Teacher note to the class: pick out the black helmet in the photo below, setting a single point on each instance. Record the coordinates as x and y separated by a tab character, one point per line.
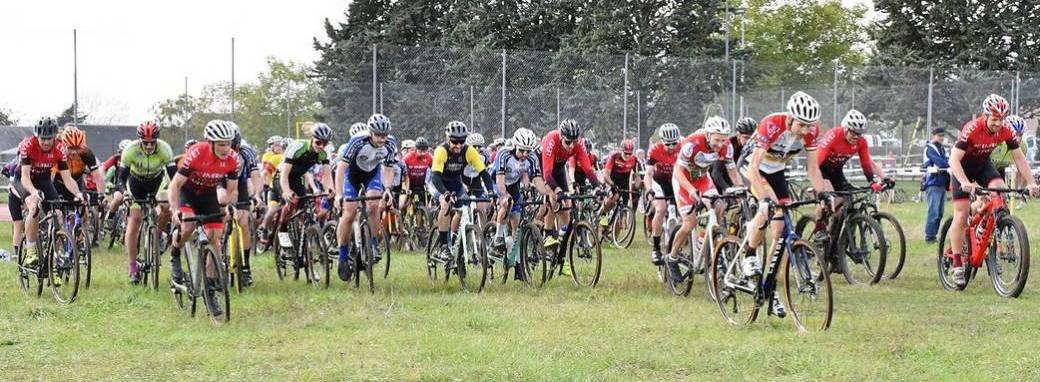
47	127
421	143
746	125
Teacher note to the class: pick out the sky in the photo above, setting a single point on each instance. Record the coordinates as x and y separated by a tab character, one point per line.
133	54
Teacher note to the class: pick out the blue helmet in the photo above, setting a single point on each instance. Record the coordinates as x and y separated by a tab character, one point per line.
1017	123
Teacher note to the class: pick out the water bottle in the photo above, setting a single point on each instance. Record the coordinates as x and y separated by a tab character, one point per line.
4	255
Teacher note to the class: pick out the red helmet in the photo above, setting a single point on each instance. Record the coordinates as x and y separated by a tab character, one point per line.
995	105
628	146
148	131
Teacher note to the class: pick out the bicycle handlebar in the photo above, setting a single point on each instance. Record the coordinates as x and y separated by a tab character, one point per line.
987	191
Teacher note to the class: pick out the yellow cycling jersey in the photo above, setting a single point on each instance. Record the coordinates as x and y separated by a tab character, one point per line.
452	165
271	161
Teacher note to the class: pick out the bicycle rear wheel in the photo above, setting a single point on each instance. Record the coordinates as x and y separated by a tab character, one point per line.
944	258
584	255
1008	257
807	288
63	268
535	271
862	250
221	295
896	243
735	292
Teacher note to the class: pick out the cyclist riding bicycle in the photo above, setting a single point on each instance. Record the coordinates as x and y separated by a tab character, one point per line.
361	165
111	166
470	176
557	148
658	180
206	167
250	185
293	177
691	179
514	168
619	175
744	128
972	168
837	146
779	138
37	155
271	160
82	161
449	162
142	171
418	162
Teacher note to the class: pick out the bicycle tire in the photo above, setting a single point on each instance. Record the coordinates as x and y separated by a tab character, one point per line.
943	263
280	268
431	264
583	247
311	252
87	257
531	256
496	260
366	261
152	256
681	288
1018	284
894	264
195	275
808	282
738	307
856	233
323	256
63	264
222	292
385	249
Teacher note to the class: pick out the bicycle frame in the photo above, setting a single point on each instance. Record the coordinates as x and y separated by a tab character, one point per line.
984	218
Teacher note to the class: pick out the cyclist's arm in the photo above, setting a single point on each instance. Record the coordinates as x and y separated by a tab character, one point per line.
1022	164
955	165
388	177
26	181
548	161
309	178
500	182
474	159
734	176
256	182
440	157
340	176
71	184
173	194
283	180
870	169
813	170
758	182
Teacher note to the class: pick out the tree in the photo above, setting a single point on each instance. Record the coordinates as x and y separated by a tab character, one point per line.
66	116
5	118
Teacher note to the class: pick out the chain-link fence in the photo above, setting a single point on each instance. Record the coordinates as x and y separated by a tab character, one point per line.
617	96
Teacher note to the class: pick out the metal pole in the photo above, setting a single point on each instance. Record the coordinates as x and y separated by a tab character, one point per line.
733	95
834	117
288	108
503	92
1018	91
186	124
374	78
232	79
558	120
726	24
639	120
624	102
931	81
472	121
75	79
380	98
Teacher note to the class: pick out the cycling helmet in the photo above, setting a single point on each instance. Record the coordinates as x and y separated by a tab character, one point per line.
746	125
237	141
46	128
628	146
803	107
321	132
716	125
995	105
670	133
569	129
379	124
524	139
408	144
456	130
124	143
1017	123
148	131
274	139
497	142
358	129
74	137
855	121
189	143
219	131
475	139
421	143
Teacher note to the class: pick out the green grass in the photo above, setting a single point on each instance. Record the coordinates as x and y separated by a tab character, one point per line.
629	328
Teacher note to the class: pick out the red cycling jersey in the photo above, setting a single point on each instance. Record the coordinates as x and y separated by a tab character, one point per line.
835	151
663	160
780	143
205	171
978	142
697	157
111	161
617	164
31	154
554	154
417	165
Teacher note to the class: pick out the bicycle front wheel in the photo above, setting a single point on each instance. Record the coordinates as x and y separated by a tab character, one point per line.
151	256
535	271
896	238
471	262
316	255
63	268
584	255
218	294
807	288
1008	258
863	250
733	290
686	265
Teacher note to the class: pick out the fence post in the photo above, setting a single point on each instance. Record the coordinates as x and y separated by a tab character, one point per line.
1018	90
931	81
503	92
733	95
558	120
374	78
639	120
472	122
624	102
834	117
781	98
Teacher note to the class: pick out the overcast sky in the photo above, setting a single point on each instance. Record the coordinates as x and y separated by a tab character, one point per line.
133	54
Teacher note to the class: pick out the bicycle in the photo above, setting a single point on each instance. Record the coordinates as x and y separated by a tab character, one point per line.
364	246
695	261
115	225
200	256
234	254
850	234
88	239
59	263
803	274
301	246
621	226
417	217
579	243
148	241
993	235
466	244
511	255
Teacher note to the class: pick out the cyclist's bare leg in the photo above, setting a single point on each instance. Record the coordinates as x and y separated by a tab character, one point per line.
345	229
133	228
375	211
689	221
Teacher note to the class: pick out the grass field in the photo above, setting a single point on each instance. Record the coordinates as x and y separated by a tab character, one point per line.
629	328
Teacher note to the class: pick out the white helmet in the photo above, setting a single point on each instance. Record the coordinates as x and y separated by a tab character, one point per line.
803	107
475	139
524	139
408	144
275	139
219	131
670	133
855	122
717	125
358	129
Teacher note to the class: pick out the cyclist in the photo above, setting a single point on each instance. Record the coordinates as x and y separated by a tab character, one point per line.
142	170
470	175
619	175
658	180
838	145
514	168
972	168
250	184
780	136
691	179
1001	156
36	156
449	162
81	162
111	165
293	174
193	191
719	173
418	163
361	165
557	148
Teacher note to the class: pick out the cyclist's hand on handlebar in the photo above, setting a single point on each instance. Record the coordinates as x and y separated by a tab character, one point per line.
176	218
877	187
969	187
1033	189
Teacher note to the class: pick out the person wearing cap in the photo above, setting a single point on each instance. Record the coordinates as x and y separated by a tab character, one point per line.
936	181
